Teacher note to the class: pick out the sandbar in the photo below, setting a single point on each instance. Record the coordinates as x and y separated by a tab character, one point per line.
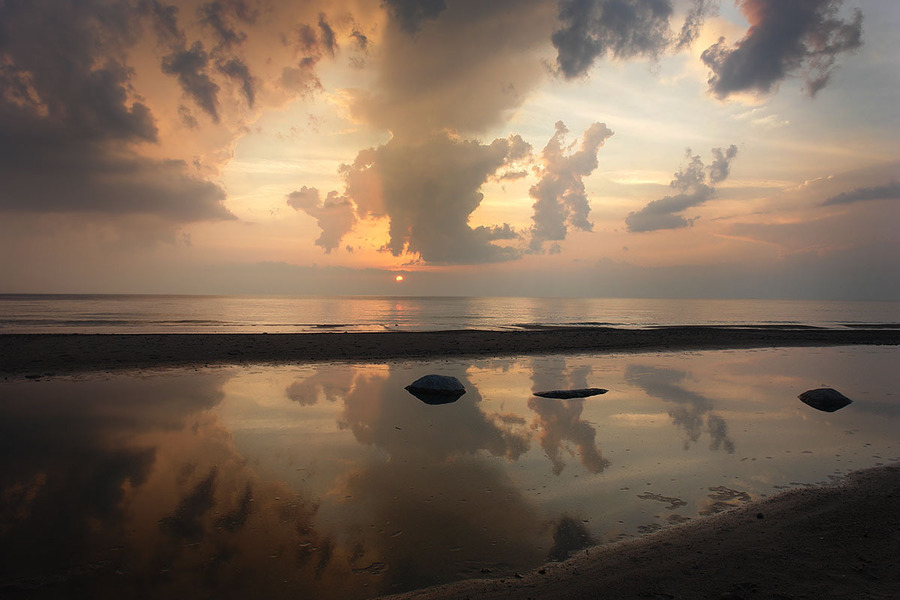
53	354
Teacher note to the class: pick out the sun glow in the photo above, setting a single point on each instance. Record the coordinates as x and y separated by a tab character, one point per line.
398	278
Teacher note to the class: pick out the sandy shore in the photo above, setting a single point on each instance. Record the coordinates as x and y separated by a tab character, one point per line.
43	354
831	542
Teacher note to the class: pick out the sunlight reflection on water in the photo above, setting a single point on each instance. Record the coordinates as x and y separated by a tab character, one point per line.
331	480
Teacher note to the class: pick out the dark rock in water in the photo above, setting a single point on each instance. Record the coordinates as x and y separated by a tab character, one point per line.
566	394
436	389
825	399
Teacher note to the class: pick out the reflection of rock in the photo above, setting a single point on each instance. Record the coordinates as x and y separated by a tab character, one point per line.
436	389
825	399
566	394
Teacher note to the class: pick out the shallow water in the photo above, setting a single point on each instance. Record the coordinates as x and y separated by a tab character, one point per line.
331	481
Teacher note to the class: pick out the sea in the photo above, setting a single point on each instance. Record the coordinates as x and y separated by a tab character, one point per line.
42	313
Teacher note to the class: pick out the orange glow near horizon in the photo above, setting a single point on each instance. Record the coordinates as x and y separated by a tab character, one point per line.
398	278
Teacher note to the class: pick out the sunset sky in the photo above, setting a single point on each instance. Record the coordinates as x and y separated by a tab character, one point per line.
638	148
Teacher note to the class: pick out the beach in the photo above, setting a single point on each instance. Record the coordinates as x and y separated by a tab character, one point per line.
827	542
52	354
835	541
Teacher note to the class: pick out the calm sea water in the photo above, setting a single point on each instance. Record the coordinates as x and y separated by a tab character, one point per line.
243	314
331	481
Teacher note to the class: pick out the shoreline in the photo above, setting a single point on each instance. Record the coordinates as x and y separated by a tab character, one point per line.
53	354
836	541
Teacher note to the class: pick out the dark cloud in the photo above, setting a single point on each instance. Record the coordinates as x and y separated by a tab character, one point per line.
697	14
721	164
411	13
880	192
335	215
428	190
560	197
312	44
190	66
220	16
691	182
193	66
465	72
622	29
785	37
328	39
360	40
237	69
70	122
165	21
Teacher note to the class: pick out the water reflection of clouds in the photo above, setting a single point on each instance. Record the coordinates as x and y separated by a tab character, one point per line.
689	410
431	505
332	481
559	421
138	476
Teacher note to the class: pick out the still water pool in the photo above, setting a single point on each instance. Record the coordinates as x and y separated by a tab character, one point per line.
332	481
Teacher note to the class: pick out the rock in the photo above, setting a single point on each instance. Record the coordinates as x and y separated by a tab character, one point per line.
566	394
436	389
825	399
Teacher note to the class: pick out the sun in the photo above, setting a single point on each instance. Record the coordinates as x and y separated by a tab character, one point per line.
398	278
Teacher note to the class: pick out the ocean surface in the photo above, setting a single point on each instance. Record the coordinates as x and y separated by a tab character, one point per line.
24	313
331	481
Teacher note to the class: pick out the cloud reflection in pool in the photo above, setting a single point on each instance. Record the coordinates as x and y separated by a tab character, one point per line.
332	481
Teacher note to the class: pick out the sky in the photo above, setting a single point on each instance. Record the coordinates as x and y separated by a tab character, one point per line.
621	148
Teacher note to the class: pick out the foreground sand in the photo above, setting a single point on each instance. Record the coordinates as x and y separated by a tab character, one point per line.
43	354
830	542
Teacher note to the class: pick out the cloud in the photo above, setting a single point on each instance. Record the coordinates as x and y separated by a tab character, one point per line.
237	69
219	15
621	29
465	71
428	190
691	182
880	192
190	67
335	215
410	13
70	129
697	14
560	197
785	37
312	44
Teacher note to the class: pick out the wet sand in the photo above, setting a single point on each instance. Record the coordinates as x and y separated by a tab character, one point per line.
49	354
830	542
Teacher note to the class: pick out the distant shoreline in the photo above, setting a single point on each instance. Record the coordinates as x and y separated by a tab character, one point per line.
32	355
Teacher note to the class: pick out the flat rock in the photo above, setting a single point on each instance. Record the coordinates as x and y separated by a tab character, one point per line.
825	399
566	394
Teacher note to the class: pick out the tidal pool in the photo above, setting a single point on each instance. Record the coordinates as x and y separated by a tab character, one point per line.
332	481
